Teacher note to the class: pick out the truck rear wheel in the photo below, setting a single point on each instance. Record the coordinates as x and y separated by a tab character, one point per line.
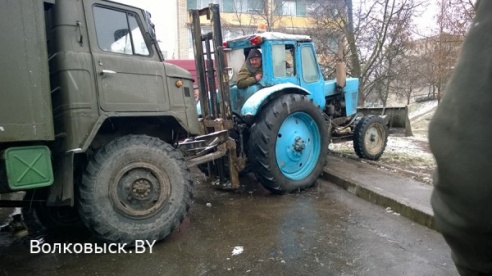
39	217
370	137
135	188
288	144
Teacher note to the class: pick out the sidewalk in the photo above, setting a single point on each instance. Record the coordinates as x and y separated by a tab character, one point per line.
403	195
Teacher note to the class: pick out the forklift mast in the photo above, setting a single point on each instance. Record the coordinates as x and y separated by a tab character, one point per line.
209	51
213	83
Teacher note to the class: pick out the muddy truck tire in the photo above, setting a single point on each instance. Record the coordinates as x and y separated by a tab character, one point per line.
288	144
135	188
38	217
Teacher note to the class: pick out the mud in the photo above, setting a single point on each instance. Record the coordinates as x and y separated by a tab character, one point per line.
321	231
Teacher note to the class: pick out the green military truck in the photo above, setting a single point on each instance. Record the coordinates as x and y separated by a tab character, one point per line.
90	117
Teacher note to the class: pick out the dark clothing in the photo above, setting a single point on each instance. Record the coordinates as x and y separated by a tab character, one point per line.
254	53
460	137
246	78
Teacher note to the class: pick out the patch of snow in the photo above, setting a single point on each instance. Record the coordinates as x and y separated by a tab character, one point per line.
237	250
421	108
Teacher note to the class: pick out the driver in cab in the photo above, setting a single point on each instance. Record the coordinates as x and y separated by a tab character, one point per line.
251	72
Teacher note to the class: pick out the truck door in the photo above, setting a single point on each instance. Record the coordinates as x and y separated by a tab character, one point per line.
130	75
310	73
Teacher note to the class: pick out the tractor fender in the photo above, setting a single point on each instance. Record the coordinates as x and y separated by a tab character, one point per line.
264	95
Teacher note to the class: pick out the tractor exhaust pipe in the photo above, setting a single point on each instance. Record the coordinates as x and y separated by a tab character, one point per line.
341	74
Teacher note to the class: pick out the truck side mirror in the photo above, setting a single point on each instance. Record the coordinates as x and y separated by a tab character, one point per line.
151	25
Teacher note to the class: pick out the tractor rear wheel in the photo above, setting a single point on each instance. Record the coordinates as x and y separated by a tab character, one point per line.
288	144
370	137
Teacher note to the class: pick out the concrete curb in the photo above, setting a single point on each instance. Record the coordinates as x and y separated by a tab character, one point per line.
375	163
410	199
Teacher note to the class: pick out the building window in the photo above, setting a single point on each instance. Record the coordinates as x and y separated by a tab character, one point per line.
289	8
205	3
199	4
119	32
311	8
244	6
297	8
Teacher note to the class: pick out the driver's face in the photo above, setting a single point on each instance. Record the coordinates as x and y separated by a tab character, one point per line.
255	62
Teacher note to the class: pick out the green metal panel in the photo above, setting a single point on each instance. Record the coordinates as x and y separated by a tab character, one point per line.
25	103
74	99
28	167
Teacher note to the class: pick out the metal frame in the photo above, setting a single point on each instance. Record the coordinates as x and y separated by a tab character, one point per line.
216	109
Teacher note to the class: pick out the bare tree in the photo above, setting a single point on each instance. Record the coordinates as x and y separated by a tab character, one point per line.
455	16
381	39
453	21
375	38
327	28
409	78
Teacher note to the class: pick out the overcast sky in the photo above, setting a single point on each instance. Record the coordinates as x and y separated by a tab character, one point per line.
164	18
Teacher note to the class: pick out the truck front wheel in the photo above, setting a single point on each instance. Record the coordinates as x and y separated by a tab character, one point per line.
135	188
288	144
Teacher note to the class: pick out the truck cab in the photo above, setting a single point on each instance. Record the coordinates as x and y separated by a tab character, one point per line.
89	117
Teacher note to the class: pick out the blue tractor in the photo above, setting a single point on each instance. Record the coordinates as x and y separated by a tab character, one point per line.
280	127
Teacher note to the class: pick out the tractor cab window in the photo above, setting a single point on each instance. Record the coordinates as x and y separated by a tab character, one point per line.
310	71
235	59
119	32
283	60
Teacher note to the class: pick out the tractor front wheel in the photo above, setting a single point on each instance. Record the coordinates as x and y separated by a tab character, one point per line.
370	137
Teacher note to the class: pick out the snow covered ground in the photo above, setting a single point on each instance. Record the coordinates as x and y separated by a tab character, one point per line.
418	109
405	155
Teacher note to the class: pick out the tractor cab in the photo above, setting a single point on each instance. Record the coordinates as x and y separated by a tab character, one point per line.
288	64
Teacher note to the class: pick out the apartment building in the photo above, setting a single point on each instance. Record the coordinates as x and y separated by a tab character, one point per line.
241	17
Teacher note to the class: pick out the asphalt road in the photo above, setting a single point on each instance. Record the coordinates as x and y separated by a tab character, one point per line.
321	231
